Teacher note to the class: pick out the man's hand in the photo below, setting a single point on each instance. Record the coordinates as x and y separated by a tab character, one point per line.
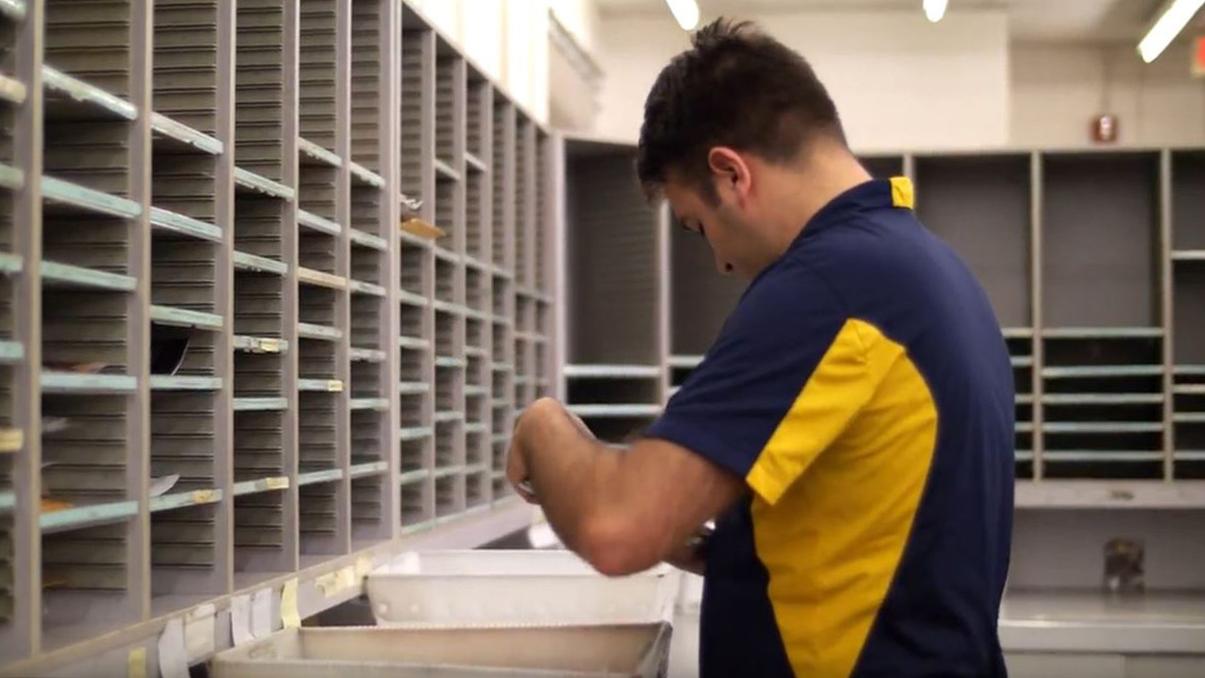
516	461
516	471
622	510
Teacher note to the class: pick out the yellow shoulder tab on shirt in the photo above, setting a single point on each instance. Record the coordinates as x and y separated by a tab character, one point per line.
902	194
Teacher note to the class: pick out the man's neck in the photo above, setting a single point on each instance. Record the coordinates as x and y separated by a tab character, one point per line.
800	194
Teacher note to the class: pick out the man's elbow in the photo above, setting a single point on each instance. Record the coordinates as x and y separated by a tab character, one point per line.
616	547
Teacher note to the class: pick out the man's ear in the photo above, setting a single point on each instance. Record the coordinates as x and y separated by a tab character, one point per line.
729	171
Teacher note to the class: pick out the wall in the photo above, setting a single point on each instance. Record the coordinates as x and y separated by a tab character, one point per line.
903	83
516	56
1058	89
581	18
898	80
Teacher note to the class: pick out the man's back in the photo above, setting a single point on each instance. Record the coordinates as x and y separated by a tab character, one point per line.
863	390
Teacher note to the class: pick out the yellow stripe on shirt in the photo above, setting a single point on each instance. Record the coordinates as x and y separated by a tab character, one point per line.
902	193
838	486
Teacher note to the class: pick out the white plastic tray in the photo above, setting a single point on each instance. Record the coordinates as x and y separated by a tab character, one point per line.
374	652
514	587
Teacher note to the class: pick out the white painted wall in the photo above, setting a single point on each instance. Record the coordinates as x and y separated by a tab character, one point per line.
516	56
480	38
581	19
1058	89
899	81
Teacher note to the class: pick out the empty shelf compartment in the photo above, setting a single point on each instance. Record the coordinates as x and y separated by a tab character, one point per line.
87	581
88	166
260	87
368	488
183	439
317	426
184	550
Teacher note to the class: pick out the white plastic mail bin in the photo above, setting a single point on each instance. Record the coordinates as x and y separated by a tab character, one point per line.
514	587
374	652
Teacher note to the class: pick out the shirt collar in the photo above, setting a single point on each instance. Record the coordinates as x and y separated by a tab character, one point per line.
869	195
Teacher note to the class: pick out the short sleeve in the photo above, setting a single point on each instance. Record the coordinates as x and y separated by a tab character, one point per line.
780	383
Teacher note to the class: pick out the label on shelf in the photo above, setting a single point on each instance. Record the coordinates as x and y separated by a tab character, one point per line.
136	663
261	613
11	439
278	483
347	578
363	566
205	496
289	615
240	620
328	584
199	631
334	583
173	655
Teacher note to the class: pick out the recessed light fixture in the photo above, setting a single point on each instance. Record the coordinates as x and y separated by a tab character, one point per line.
686	12
1175	16
935	9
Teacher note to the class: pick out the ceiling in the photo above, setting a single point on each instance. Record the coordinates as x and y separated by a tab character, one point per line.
1038	20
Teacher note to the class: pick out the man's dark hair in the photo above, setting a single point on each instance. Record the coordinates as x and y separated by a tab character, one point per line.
735	87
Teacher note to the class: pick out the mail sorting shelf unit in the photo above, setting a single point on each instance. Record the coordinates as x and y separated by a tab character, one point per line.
1050	235
96	251
533	300
19	123
264	267
996	244
323	268
212	386
1103	364
372	240
1187	289
416	376
451	362
616	249
190	341
1103	391
1090	259
478	282
500	255
1074	249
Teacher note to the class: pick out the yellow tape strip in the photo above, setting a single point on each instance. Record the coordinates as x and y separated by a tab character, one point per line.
289	615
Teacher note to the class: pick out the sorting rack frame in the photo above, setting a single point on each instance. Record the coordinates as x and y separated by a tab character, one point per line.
1094	261
242	169
1110	398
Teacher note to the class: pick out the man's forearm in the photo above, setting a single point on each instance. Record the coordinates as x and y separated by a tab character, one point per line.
569	473
623	511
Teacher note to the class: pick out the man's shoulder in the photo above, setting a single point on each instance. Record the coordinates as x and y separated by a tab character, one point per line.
791	298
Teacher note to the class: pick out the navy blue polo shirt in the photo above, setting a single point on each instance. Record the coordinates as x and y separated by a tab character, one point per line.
862	388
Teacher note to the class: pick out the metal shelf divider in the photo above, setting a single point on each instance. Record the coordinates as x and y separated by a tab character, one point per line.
279	260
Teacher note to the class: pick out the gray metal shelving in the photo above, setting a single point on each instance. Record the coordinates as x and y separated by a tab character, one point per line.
617	250
224	366
1092	260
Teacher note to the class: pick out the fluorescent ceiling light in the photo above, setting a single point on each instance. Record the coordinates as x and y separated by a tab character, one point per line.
936	9
686	12
1173	20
